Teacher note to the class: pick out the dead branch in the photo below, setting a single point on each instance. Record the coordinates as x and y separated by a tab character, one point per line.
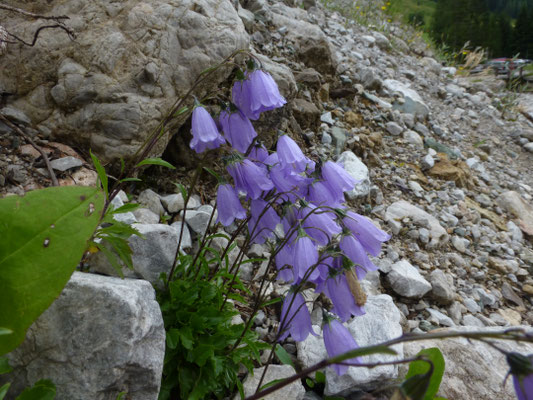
38	148
69	31
30	14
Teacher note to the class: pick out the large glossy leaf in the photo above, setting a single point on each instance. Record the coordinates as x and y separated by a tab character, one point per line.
42	238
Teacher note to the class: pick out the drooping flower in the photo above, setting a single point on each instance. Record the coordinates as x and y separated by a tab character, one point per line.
522	372
366	232
256	94
338	340
295	319
263	221
337	179
355	251
284	264
249	177
319	224
238	129
258	153
305	256
290	154
228	205
344	304
321	195
204	130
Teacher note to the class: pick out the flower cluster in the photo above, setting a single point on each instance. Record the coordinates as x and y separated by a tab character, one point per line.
298	206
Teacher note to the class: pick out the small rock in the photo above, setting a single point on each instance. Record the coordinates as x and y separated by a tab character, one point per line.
359	171
441	289
294	390
440	318
66	163
173	202
152	201
407	281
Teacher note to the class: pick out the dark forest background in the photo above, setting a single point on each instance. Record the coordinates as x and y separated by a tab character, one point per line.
503	27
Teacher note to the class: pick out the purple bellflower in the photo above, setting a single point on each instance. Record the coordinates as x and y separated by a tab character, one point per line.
249	177
228	205
305	256
295	319
263	221
238	129
320	194
284	264
319	224
338	180
256	94
258	153
366	232
290	154
355	251
338	291
338	340
204	130
522	372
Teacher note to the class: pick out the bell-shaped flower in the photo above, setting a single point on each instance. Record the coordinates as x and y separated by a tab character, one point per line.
258	154
366	232
295	319
284	263
337	177
355	251
305	257
344	304
228	205
321	195
263	221
319	223
338	340
290	154
249	177
238	129
256	94
522	372
204	130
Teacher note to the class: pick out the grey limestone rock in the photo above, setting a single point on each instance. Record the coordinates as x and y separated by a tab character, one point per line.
380	323
441	289
129	62
293	391
412	102
407	281
103	335
474	370
359	171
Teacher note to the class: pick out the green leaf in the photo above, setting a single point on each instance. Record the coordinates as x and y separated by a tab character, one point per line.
4	366
182	190
186	338
155	161
122	165
201	353
310	382
42	390
173	338
3	390
217	176
111	257
320	377
271	383
121	396
363	351
182	110
5	331
125	208
271	301
131	180
283	356
422	367
44	235
101	173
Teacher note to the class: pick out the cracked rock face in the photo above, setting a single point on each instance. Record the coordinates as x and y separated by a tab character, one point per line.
129	62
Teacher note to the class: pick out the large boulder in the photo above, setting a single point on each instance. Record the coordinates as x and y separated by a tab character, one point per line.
103	335
109	87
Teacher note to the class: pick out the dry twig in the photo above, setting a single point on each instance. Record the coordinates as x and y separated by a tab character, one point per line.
38	148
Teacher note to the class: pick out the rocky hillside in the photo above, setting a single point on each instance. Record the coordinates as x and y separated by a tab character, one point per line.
444	162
